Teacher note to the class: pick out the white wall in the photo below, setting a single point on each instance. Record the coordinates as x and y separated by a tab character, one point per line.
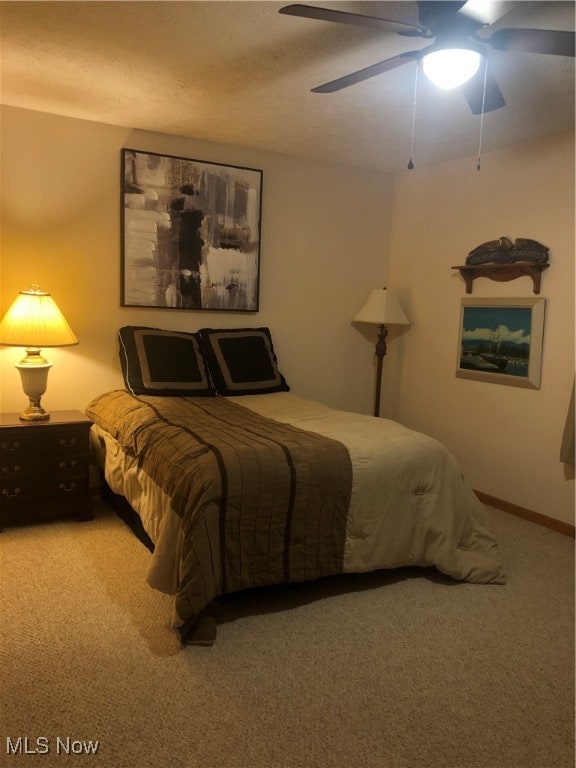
507	439
325	233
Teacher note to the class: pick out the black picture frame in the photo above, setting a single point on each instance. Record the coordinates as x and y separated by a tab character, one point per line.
190	233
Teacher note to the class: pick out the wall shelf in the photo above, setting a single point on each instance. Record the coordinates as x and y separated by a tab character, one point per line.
502	273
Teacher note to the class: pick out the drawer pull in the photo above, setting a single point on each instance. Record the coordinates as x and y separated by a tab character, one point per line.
10	446
68	443
67	464
11	493
67	487
11	470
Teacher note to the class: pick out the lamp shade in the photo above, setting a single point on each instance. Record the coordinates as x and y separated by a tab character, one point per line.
382	308
34	320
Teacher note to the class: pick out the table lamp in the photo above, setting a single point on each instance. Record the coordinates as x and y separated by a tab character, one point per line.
34	321
382	308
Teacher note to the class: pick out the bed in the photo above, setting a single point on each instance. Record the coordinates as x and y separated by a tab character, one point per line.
240	483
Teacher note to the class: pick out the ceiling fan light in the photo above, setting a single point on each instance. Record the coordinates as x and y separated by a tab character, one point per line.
450	67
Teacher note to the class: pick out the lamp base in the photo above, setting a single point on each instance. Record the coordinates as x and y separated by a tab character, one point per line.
34	375
34	413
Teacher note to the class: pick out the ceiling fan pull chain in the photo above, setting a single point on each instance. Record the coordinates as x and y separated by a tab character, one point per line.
411	161
482	112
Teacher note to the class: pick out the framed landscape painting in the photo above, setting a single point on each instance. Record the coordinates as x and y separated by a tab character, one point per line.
190	232
500	341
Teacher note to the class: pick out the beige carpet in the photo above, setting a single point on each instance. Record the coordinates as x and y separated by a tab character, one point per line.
392	670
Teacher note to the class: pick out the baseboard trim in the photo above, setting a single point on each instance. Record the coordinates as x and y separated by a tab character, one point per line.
534	517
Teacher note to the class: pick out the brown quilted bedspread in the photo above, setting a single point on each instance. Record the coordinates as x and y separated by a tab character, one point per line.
260	502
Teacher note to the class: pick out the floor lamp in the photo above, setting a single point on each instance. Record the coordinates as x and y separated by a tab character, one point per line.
383	309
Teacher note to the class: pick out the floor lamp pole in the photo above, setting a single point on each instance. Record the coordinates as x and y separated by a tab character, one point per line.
380	354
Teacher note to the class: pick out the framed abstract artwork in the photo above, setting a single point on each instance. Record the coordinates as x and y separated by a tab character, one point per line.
190	233
500	341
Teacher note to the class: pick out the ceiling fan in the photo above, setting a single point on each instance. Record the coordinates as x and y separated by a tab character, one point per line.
453	27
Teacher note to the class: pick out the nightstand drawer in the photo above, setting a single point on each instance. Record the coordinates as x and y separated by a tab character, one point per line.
41	488
19	442
24	466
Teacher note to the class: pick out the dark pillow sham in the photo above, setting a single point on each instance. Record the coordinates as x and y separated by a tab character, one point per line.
242	361
158	362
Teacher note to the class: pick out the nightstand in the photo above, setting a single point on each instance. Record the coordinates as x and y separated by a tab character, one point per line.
44	468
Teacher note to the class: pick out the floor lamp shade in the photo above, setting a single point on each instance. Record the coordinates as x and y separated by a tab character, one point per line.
34	321
382	308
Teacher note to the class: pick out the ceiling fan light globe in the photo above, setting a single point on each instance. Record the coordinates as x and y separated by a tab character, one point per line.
450	67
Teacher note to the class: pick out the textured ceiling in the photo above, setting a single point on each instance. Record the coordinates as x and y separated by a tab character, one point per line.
241	73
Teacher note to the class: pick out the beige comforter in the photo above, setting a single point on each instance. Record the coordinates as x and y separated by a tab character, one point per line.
408	503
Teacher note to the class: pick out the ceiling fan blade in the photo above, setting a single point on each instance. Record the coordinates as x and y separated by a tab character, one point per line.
343	17
485	12
479	100
550	41
367	72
